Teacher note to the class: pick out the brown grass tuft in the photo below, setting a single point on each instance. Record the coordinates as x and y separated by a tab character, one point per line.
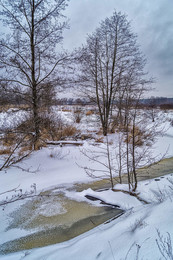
99	140
89	113
9	139
5	151
69	130
66	110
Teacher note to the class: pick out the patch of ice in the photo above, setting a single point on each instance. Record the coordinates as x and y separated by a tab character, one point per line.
51	209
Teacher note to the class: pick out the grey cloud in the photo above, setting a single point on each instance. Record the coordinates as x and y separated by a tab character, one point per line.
151	20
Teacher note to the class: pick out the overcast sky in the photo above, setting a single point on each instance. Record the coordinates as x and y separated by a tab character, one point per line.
151	20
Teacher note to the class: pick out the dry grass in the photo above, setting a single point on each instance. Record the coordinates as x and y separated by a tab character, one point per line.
118	128
89	113
77	111
5	108
5	151
26	148
66	110
86	136
99	140
9	139
69	130
49	130
57	134
139	136
39	144
100	132
45	134
78	114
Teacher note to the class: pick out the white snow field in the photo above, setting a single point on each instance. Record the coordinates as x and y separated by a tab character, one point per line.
137	234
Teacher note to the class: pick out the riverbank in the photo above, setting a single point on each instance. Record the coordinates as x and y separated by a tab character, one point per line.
56	170
54	219
163	167
137	233
70	212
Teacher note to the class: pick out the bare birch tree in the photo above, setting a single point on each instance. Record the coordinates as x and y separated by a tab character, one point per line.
110	55
29	59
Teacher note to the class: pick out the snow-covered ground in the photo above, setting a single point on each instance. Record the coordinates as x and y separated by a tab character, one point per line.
136	233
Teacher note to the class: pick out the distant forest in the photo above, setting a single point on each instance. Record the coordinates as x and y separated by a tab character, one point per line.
14	99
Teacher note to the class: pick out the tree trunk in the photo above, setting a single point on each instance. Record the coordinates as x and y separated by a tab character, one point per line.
35	119
127	154
133	155
34	85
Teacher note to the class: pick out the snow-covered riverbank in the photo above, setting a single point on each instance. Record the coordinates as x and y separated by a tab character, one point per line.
137	231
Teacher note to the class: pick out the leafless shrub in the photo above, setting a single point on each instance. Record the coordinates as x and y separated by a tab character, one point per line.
138	224
58	154
105	159
160	195
78	114
18	194
111	249
166	106
171	183
140	136
163	194
165	245
117	126
51	128
134	247
16	143
25	126
15	152
137	249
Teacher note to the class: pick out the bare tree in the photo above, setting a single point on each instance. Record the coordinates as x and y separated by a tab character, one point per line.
14	155
110	61
28	51
152	108
139	135
108	161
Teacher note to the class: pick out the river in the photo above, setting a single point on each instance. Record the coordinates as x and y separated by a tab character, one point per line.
54	218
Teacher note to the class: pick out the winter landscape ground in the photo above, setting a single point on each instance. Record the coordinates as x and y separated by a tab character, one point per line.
86	156
143	231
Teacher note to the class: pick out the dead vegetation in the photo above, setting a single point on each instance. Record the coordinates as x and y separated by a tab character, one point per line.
5	108
50	130
99	140
139	136
5	151
78	115
89	112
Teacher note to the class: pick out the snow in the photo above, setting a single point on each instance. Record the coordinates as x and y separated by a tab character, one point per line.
120	199
11	118
46	171
137	228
